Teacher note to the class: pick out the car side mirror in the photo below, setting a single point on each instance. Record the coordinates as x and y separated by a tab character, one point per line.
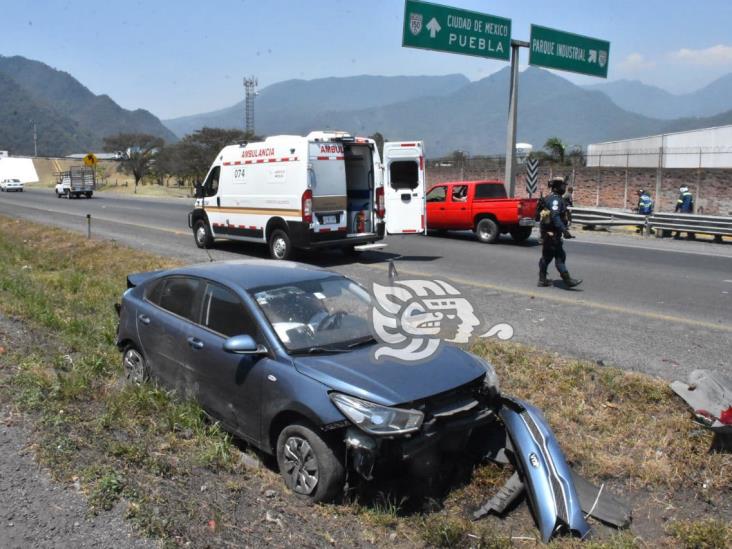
199	190
243	345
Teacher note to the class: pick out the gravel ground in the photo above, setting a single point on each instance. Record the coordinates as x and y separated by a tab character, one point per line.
36	511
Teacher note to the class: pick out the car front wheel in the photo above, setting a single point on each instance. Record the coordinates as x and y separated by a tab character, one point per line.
202	234
309	465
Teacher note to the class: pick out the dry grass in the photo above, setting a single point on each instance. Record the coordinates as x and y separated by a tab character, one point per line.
139	444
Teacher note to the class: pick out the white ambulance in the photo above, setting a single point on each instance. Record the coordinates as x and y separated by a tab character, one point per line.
327	189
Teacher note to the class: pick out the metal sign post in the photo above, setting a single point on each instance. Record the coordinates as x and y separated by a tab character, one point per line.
510	178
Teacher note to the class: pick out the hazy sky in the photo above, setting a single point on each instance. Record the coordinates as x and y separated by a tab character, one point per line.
184	57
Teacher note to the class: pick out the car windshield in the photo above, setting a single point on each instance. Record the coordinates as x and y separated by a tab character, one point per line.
317	315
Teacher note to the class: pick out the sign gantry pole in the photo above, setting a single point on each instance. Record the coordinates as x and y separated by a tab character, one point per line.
510	173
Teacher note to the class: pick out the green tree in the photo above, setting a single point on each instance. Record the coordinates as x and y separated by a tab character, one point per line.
192	156
555	148
139	152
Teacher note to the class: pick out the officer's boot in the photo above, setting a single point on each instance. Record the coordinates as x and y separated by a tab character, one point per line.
569	281
543	282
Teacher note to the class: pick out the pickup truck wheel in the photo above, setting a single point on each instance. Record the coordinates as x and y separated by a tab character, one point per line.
280	246
89	195
202	234
308	464
520	234
487	231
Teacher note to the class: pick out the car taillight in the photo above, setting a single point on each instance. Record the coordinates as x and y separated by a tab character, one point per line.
520	207
307	206
380	207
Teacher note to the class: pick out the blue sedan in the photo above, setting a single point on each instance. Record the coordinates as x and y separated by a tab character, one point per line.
280	354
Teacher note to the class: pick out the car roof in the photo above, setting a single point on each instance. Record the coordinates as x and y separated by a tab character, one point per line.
253	273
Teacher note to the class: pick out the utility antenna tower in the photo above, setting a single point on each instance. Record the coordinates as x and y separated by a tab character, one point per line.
250	89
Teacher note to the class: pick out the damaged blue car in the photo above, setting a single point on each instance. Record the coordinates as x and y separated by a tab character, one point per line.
281	355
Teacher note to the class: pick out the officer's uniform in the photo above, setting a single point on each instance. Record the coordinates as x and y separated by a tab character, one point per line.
685	204
645	204
553	226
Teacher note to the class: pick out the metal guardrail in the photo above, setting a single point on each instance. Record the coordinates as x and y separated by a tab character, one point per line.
716	225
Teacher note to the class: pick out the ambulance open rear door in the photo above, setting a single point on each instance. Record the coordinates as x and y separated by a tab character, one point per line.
404	187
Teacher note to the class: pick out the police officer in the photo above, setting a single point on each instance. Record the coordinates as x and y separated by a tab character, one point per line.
685	205
553	226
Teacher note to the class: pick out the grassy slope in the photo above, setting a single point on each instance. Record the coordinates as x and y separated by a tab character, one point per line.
155	452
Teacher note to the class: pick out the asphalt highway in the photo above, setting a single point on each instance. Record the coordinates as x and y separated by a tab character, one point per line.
658	306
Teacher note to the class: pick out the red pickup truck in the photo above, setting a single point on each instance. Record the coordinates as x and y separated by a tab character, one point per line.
480	206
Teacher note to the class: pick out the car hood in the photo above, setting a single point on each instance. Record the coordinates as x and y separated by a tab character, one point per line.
390	382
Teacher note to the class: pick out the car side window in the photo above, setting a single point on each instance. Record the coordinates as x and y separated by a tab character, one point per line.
490	190
437	194
459	193
224	313
177	295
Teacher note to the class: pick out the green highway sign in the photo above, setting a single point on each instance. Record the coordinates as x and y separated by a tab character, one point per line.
444	28
555	49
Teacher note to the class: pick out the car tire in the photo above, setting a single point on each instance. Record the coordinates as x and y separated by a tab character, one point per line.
520	234
202	234
487	231
136	370
309	465
89	195
280	246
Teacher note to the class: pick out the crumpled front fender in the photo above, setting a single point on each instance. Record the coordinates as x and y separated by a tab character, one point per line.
545	472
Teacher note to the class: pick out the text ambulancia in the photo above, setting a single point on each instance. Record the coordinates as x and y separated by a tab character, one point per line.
327	189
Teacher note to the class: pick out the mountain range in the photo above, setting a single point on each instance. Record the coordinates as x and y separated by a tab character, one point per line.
69	118
451	113
635	96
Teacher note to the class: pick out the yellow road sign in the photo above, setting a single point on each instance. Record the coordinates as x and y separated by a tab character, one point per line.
90	160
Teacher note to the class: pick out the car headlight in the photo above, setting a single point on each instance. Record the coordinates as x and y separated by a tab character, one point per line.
375	418
490	381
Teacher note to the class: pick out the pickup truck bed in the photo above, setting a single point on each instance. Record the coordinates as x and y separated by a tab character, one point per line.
482	207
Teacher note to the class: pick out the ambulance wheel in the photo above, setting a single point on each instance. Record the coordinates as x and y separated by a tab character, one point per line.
487	231
202	234
280	246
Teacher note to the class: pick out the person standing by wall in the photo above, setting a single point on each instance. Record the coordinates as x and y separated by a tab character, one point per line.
685	205
644	207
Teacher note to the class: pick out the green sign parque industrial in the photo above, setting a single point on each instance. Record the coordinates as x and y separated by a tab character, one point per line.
444	28
555	49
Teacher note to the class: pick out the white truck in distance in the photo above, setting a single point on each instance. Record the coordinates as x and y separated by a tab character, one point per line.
327	189
78	181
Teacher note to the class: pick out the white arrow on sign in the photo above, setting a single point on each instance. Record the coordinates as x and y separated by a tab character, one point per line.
434	27
593	56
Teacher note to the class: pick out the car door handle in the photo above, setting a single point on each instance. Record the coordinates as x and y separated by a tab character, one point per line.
195	343
144	319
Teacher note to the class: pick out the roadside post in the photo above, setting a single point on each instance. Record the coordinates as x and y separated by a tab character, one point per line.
88	226
532	175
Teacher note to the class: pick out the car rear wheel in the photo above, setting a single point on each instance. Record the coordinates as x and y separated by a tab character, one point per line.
521	234
280	246
487	231
202	234
309	466
136	370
